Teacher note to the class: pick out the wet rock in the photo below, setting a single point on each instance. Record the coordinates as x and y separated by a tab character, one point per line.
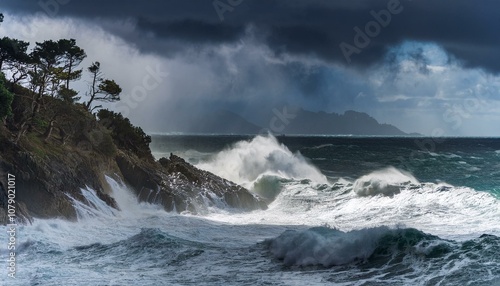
43	185
179	186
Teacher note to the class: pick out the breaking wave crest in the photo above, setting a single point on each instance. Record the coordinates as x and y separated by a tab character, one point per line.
386	182
411	251
245	161
325	246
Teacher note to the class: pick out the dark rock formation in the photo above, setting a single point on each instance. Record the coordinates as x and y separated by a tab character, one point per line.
179	186
43	184
51	170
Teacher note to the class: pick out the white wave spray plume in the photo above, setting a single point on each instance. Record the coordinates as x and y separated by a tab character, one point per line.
245	161
388	181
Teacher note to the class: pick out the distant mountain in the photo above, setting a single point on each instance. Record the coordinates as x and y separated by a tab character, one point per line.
219	122
304	122
351	122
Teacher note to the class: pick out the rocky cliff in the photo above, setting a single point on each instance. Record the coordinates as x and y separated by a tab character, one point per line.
51	168
44	181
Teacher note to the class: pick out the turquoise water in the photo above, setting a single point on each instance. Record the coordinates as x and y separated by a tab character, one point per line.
343	211
472	162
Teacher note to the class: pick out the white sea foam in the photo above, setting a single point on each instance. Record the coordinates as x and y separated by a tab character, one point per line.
322	146
267	186
245	161
388	181
128	202
439	209
385	197
92	205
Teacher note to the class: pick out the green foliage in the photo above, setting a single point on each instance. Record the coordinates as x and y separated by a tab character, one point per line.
68	94
55	65
101	89
38	122
104	144
47	54
125	135
73	56
46	104
13	51
111	88
6	99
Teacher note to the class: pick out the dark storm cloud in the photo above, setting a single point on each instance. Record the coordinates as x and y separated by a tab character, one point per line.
466	29
193	30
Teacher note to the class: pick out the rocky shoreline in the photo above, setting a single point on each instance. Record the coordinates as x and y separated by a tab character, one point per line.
179	186
44	186
49	172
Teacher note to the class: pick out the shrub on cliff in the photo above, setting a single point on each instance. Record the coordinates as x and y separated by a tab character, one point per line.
5	99
125	135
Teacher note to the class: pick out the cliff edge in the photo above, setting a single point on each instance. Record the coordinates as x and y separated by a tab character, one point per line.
66	149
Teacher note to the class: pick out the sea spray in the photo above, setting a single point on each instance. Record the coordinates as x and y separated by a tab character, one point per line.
435	208
127	202
245	161
388	181
92	205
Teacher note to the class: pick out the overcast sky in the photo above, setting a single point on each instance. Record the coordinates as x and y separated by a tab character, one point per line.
430	66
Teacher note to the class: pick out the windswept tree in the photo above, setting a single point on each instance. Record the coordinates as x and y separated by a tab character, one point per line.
51	67
101	89
54	67
72	58
47	59
12	51
19	68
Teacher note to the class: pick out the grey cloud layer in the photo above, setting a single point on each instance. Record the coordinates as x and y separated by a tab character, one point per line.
466	29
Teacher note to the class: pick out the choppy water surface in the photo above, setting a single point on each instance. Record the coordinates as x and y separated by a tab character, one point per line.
344	211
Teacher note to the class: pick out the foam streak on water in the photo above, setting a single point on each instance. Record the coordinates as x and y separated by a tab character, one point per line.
388	196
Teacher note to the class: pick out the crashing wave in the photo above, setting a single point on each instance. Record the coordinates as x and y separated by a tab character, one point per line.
387	182
330	247
245	161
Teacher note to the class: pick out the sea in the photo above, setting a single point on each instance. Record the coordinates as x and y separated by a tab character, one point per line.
343	210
